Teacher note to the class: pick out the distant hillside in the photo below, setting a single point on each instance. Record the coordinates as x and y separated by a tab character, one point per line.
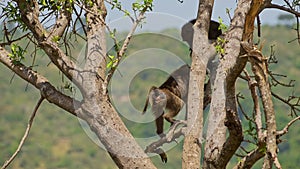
58	141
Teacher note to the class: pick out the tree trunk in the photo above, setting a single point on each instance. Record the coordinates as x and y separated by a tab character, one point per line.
96	109
202	52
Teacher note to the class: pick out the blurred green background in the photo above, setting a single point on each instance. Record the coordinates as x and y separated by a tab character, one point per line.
57	140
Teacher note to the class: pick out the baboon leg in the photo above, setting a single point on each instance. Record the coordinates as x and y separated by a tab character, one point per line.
174	106
159	121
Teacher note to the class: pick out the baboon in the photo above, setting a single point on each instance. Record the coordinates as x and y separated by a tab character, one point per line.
170	97
187	31
173	93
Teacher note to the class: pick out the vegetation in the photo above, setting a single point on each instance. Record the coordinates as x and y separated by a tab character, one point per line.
68	146
241	86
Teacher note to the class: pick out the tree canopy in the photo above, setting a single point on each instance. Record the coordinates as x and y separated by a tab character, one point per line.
52	28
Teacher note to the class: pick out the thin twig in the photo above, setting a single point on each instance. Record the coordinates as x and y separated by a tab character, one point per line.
258	26
120	9
80	20
283	9
25	134
257	113
10	41
286	128
123	49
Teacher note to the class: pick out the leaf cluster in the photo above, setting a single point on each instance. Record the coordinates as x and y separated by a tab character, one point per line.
17	54
145	5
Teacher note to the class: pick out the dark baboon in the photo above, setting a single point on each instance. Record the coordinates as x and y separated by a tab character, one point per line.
187	31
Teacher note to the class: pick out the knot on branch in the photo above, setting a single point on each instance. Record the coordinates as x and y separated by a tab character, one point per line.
253	51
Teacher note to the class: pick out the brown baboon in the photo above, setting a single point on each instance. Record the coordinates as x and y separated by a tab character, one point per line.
173	93
169	97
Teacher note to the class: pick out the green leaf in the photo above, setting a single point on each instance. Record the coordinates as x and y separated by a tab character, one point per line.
17	54
44	3
56	39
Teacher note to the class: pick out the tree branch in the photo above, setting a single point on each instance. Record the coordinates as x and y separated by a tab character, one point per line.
218	149
62	21
10	41
289	10
47	90
170	136
30	16
124	47
202	52
119	7
6	164
62	61
251	158
260	70
286	128
257	113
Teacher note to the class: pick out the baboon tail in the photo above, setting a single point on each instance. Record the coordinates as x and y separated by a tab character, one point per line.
162	155
146	105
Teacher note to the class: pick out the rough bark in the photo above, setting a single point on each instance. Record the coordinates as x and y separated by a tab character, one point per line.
260	70
97	111
223	111
202	52
95	108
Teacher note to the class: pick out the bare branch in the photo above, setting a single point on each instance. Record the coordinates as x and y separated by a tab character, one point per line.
123	49
62	21
293	106
172	135
80	20
258	26
286	128
283	8
6	164
251	158
119	7
169	137
10	41
257	115
260	70
241	108
62	61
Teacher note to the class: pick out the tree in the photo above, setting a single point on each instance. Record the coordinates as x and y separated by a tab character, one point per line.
236	49
287	19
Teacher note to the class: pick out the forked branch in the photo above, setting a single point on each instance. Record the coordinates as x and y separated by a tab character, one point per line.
172	135
260	70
